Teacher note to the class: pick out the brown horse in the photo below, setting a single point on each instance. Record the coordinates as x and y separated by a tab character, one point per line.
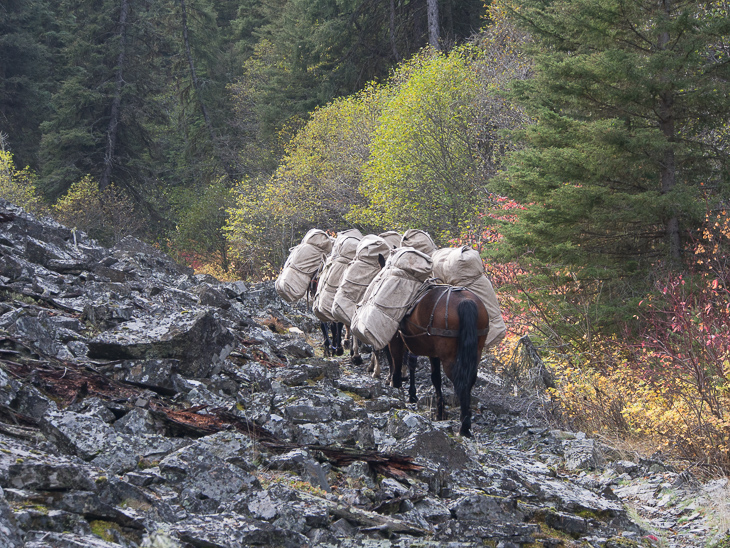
449	325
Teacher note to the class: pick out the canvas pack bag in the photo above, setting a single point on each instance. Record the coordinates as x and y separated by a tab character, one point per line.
392	238
420	240
356	279
462	266
343	252
302	264
390	295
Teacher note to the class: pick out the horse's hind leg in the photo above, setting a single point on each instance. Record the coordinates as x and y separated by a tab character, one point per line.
337	338
412	364
325	332
436	380
464	393
397	350
378	359
355	351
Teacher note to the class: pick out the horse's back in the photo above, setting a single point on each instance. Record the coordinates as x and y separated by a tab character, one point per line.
432	327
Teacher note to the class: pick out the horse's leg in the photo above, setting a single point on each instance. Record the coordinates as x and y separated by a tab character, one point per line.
347	339
412	364
337	338
378	358
397	350
355	352
436	380
325	332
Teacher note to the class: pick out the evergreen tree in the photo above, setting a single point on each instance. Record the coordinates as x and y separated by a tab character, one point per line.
310	52
201	143
27	36
105	105
628	98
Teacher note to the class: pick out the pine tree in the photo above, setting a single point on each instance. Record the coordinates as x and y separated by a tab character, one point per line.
106	103
27	36
628	99
310	52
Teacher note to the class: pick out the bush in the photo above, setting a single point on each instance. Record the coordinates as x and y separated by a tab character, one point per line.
106	215
668	384
199	238
18	186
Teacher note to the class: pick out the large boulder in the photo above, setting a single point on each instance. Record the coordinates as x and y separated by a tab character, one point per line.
198	340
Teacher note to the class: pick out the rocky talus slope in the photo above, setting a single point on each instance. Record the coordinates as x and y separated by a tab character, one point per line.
141	405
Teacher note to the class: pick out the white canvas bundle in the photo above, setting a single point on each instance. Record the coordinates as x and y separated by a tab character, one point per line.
302	264
343	253
463	266
390	295
392	238
420	240
358	276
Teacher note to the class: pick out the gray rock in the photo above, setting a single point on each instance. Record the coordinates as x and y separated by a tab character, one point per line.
297	348
41	539
482	508
204	480
360	470
198	340
32	330
568	523
435	446
234	531
137	421
302	462
10	534
355	432
580	454
77	434
58	521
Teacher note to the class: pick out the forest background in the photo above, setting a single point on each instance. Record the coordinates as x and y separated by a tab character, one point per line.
580	145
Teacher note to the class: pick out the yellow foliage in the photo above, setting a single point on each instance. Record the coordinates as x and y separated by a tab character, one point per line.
107	215
18	186
604	393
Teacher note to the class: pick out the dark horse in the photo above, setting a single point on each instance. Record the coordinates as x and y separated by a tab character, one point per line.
449	325
333	346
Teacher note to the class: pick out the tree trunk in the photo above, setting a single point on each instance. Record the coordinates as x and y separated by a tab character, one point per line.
393	46
111	134
433	23
198	94
668	166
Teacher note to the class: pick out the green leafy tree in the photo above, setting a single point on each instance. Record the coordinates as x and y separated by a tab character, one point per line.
423	170
317	183
107	214
311	52
628	98
18	185
200	229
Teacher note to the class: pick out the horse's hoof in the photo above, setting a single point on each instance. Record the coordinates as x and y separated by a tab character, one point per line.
412	399
466	434
339	351
356	360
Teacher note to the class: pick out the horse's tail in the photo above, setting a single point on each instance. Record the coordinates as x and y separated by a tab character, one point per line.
465	369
